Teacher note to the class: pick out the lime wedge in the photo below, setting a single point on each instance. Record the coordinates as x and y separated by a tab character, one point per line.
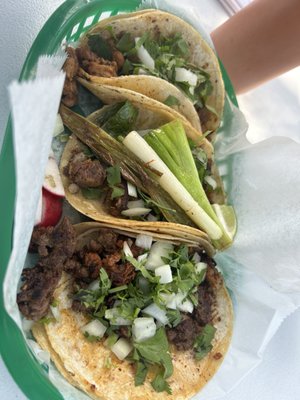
227	218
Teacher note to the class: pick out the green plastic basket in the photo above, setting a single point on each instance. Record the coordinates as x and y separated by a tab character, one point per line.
66	24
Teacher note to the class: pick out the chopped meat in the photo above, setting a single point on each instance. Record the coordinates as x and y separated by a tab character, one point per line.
70	93
118	58
41	240
99	69
71	66
204	115
136	251
118	204
124	332
93	262
120	273
36	293
84	53
40	281
202	312
184	334
108	240
86	173
84	266
79	307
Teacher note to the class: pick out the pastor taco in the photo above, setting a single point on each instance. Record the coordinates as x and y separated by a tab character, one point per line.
158	44
124	315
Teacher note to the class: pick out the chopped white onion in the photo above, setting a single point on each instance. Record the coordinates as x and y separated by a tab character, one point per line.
127	250
196	258
56	313
173	300
144	241
142	71
94	328
122	348
142	257
144	56
143	328
131	190
156	312
136	204
135	212
185	75
200	266
165	273
59	126
186	306
115	319
93	285
158	250
211	182
152	218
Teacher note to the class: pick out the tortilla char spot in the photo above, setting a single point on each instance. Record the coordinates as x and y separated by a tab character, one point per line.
93	387
154	20
216	81
217	356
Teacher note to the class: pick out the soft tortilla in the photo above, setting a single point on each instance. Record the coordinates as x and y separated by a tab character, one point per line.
96	210
168	24
85	363
153	87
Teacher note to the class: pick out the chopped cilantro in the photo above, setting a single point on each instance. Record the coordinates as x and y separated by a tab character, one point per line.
140	373
90	338
171	101
92	193
126	43
203	341
113	180
47	320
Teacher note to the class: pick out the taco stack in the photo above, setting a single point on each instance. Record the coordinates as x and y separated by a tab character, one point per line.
131	304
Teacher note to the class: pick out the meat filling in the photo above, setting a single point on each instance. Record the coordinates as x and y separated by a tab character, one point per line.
55	246
85	172
184	334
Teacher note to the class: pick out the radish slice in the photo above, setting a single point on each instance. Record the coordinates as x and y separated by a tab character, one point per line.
158	250
154	311
122	348
136	204
39	211
144	241
143	328
51	209
165	274
184	75
52	180
132	192
144	56
127	250
59	126
94	328
135	212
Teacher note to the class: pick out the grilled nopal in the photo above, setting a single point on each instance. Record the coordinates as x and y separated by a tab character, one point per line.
133	316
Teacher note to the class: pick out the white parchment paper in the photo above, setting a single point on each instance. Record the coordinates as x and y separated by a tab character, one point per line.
261	269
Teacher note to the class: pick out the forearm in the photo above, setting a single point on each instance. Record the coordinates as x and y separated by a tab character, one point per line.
260	42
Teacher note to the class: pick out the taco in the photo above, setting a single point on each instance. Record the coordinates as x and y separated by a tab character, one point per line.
154	43
99	166
124	315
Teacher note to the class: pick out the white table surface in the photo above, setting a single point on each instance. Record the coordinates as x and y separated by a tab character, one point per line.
278	375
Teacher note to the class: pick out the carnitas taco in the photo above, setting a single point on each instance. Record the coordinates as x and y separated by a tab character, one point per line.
126	315
161	48
132	159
